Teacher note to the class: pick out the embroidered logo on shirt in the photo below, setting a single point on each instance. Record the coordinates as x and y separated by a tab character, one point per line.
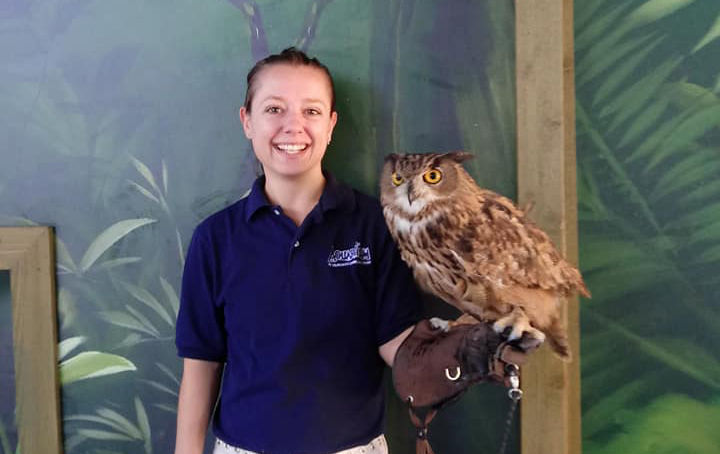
356	255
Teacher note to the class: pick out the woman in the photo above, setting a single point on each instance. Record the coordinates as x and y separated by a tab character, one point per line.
297	288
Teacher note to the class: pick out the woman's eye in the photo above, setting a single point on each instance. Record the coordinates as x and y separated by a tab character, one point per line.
432	176
313	112
272	109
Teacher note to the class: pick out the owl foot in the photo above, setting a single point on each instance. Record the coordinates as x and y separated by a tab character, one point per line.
465	319
438	323
447	325
520	329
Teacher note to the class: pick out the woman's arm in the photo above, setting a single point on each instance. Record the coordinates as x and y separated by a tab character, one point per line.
198	393
389	348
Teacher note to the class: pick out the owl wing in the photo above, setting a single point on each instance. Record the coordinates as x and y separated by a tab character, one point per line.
500	244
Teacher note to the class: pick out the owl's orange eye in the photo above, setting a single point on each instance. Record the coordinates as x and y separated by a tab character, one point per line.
396	179
432	176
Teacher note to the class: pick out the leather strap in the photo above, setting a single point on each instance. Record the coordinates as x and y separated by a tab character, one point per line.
422	445
504	355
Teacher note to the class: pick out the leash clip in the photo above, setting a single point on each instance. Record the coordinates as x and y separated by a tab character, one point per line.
514	393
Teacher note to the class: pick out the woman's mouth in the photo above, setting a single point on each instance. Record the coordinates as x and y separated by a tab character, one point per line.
291	148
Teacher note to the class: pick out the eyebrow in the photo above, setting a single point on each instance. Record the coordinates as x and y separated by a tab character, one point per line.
307	100
314	100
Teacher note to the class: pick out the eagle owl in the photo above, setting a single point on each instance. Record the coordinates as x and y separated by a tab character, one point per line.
476	250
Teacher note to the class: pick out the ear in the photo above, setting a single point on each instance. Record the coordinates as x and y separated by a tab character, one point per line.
245	120
333	122
460	156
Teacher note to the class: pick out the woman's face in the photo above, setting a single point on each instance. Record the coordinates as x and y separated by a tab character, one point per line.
290	120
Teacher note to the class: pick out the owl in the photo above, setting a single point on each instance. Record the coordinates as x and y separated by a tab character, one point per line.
474	249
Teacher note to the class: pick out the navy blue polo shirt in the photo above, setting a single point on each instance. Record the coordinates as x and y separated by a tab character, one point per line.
297	315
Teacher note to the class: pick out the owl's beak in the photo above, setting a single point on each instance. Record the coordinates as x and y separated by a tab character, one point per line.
410	193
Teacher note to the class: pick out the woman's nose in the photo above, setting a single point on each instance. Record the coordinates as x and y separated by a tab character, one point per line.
294	122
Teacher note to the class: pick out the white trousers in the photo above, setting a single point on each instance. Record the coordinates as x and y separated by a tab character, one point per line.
376	446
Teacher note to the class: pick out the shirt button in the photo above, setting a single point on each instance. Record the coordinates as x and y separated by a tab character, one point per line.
297	244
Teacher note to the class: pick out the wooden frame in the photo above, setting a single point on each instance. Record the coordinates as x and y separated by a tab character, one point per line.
28	253
550	411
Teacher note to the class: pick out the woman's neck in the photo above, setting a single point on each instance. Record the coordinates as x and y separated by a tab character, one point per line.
297	196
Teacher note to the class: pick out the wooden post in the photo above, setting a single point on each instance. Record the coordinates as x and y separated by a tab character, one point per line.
550	411
29	254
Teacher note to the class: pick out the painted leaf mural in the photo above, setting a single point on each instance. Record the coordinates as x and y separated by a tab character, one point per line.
120	128
648	140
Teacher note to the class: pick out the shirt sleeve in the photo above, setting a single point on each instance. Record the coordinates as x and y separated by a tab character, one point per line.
398	298
200	329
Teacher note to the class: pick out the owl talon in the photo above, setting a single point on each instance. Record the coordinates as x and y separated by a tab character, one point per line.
520	329
504	326
438	323
528	342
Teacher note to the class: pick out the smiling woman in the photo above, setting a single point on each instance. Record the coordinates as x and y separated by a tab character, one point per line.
305	296
290	121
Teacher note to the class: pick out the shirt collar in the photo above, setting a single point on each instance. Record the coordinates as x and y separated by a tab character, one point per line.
336	195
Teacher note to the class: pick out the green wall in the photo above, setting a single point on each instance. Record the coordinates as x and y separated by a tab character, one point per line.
119	127
648	142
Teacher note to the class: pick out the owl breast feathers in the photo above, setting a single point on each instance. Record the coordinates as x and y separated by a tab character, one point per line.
476	250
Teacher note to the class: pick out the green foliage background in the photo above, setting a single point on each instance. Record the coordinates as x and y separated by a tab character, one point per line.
648	130
119	127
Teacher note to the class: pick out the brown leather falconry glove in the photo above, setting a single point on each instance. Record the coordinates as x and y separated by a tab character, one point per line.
433	367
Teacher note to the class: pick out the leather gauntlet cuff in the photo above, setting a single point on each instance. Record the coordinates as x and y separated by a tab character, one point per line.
433	366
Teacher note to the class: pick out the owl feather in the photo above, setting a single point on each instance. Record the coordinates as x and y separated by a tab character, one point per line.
476	250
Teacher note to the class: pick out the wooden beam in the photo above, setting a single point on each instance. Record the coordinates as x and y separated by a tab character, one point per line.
550	411
29	254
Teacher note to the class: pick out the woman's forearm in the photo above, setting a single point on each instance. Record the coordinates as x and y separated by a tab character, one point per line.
198	392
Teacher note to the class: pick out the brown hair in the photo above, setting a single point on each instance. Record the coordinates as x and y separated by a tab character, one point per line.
289	56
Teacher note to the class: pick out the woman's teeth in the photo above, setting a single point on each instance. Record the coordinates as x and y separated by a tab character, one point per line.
291	148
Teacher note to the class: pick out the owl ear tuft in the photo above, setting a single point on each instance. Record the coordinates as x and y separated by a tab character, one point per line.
392	157
460	156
